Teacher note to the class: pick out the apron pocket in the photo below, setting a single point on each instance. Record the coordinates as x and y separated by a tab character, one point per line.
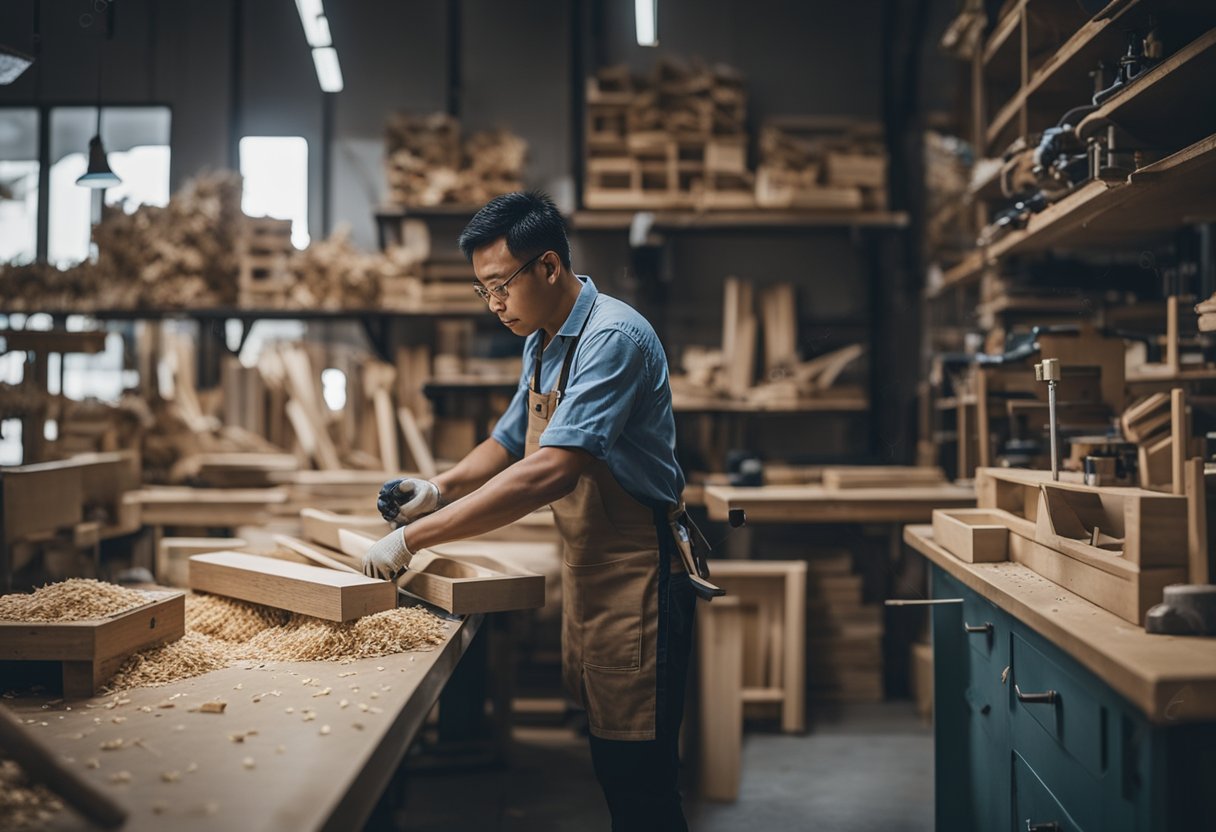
609	599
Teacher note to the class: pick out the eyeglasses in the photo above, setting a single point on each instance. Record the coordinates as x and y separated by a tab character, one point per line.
500	291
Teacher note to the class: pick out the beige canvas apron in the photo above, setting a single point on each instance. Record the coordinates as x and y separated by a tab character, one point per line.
610	594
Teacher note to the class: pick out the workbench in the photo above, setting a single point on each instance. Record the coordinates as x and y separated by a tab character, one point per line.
1049	709
288	771
817	504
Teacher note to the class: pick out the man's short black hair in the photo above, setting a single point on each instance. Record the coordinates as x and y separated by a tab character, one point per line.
528	220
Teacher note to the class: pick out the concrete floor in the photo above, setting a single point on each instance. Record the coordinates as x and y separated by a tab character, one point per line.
861	767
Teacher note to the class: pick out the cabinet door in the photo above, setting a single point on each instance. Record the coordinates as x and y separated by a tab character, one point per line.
1035	808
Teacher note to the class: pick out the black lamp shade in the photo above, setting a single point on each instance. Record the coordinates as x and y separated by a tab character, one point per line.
99	174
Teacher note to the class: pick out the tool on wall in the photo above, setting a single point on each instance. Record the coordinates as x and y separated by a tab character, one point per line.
1049	371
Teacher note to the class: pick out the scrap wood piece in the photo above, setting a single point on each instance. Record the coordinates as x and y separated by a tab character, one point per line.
318	554
42	765
821	372
322	526
1145	418
420	451
310	590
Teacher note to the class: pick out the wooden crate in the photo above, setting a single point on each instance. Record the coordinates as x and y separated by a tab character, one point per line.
90	652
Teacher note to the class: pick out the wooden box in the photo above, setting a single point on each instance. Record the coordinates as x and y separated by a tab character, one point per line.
309	590
974	535
92	651
463	577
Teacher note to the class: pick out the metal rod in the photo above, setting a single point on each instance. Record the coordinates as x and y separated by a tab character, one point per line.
1051	410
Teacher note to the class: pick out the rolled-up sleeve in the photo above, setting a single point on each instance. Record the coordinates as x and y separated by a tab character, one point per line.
601	395
512	427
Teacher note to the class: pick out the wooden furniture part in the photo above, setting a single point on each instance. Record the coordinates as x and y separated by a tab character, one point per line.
322	526
815	504
1116	547
173	555
463	577
720	637
219	507
310	590
42	766
1038	689
881	476
91	651
973	535
774	671
291	783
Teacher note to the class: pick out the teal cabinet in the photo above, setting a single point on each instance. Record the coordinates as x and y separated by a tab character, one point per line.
1026	738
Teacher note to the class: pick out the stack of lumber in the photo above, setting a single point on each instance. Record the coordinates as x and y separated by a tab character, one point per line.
1207	314
418	275
675	139
821	163
428	162
181	255
779	376
845	645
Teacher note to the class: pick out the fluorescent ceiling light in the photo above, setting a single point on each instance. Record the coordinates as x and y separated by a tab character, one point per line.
316	26
646	14
329	73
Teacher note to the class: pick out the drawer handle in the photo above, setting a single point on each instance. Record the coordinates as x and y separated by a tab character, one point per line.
985	628
1047	698
1049	826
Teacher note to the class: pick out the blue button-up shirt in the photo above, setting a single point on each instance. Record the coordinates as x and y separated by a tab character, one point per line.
617	401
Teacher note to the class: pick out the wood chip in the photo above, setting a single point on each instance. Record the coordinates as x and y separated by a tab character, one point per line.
170	776
324	730
324	692
120	777
112	745
92	762
210	708
248	762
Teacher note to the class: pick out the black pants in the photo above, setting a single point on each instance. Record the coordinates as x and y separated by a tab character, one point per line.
639	779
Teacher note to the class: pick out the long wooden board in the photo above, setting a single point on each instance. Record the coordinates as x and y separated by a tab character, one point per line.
322	527
310	590
91	651
881	476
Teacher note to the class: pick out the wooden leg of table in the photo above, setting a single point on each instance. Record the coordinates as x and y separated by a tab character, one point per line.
81	679
720	638
793	712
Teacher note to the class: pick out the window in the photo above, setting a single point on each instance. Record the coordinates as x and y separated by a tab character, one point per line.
137	145
18	184
275	169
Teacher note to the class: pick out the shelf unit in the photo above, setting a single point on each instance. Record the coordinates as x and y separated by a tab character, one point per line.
1160	115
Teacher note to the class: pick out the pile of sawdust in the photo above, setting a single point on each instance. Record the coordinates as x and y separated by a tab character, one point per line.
78	599
221	631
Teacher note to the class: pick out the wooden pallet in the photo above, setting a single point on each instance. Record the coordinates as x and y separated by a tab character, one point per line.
90	652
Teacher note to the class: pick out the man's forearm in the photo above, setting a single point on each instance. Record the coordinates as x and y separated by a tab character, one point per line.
519	490
475	470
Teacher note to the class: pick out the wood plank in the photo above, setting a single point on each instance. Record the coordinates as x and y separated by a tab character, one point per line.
310	590
1198	565
320	555
420	451
386	430
720	648
1180	437
881	476
815	504
322	526
173	555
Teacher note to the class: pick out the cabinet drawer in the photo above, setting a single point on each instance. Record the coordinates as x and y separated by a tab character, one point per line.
1034	806
1076	720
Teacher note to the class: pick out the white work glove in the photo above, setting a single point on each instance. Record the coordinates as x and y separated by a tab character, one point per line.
388	557
404	501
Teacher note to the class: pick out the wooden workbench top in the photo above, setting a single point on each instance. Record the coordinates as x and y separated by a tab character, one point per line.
817	504
295	773
1170	678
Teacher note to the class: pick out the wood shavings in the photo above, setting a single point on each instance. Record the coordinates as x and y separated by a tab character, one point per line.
342	703
120	777
324	730
248	762
112	745
92	762
222	632
324	692
118	720
210	708
77	599
170	776
347	673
